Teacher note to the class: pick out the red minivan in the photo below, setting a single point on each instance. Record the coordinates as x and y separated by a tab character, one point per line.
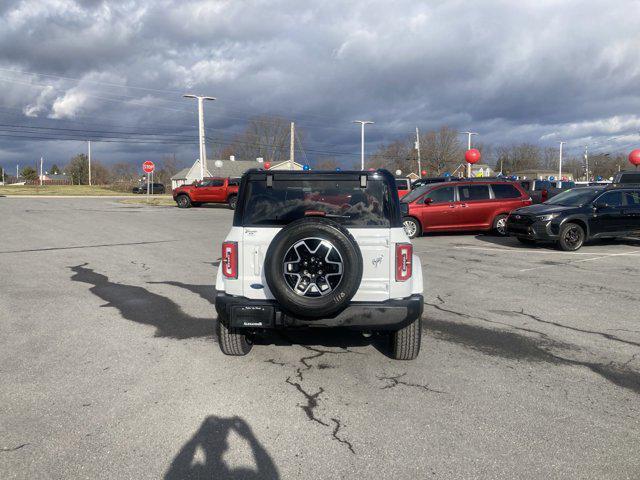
464	205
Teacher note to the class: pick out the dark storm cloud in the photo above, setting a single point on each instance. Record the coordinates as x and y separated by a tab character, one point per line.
515	71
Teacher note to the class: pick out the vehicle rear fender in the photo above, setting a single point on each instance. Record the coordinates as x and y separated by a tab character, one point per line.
416	277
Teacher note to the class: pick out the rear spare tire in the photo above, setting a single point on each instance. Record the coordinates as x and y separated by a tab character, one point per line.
313	267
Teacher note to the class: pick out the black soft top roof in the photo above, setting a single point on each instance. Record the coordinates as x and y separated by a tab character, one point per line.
260	174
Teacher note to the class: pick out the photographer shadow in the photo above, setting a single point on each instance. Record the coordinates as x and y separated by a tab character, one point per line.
212	438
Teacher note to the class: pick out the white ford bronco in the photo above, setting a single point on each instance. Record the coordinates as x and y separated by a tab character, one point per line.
318	249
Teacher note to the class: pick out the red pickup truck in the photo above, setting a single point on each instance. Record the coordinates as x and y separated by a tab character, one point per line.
209	190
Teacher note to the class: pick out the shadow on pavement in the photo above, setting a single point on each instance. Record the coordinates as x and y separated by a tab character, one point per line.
142	306
212	441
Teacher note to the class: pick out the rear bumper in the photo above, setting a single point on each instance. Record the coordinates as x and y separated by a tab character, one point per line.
241	312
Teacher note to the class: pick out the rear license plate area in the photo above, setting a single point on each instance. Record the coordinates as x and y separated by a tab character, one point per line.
252	316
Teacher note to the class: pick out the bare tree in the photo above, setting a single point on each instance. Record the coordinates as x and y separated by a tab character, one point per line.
441	151
266	137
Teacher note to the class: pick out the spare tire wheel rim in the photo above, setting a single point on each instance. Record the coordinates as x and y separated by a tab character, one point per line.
313	267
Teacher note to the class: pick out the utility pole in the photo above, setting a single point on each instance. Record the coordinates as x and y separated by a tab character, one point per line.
362	124
292	148
89	158
40	171
201	136
468	134
17	172
586	161
560	162
418	149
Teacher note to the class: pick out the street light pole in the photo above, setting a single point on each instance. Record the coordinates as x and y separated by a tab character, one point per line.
362	124
201	135
418	149
560	162
468	134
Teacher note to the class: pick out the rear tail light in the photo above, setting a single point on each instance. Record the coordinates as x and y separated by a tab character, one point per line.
404	252
229	262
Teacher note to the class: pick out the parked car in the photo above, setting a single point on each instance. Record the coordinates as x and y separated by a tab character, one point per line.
318	249
153	188
463	205
428	180
572	217
542	190
209	190
627	176
403	186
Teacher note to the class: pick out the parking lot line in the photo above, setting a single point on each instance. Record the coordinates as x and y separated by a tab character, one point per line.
526	250
580	261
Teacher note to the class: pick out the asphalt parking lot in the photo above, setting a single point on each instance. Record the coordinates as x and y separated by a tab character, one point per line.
530	365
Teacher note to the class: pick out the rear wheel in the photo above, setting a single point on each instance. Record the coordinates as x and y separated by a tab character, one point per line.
232	340
572	237
183	201
411	227
500	225
233	200
405	343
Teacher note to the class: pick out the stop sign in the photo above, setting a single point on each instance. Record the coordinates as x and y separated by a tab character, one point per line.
148	166
634	157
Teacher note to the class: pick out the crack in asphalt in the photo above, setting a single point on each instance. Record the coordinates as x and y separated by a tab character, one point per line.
608	336
273	362
13	449
395	381
312	401
336	429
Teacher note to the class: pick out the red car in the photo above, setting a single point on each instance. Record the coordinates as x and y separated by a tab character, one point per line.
464	205
209	190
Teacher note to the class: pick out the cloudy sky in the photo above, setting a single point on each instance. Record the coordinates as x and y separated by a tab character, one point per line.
532	70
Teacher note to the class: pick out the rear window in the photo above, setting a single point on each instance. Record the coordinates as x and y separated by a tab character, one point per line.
629	178
473	192
341	200
402	184
505	190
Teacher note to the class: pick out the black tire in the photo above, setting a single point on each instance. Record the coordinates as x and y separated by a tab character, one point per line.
305	304
572	237
526	241
405	343
183	201
233	200
412	227
232	341
500	225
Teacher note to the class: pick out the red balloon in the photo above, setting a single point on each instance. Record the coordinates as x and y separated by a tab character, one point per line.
634	157
472	156
267	165
424	172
